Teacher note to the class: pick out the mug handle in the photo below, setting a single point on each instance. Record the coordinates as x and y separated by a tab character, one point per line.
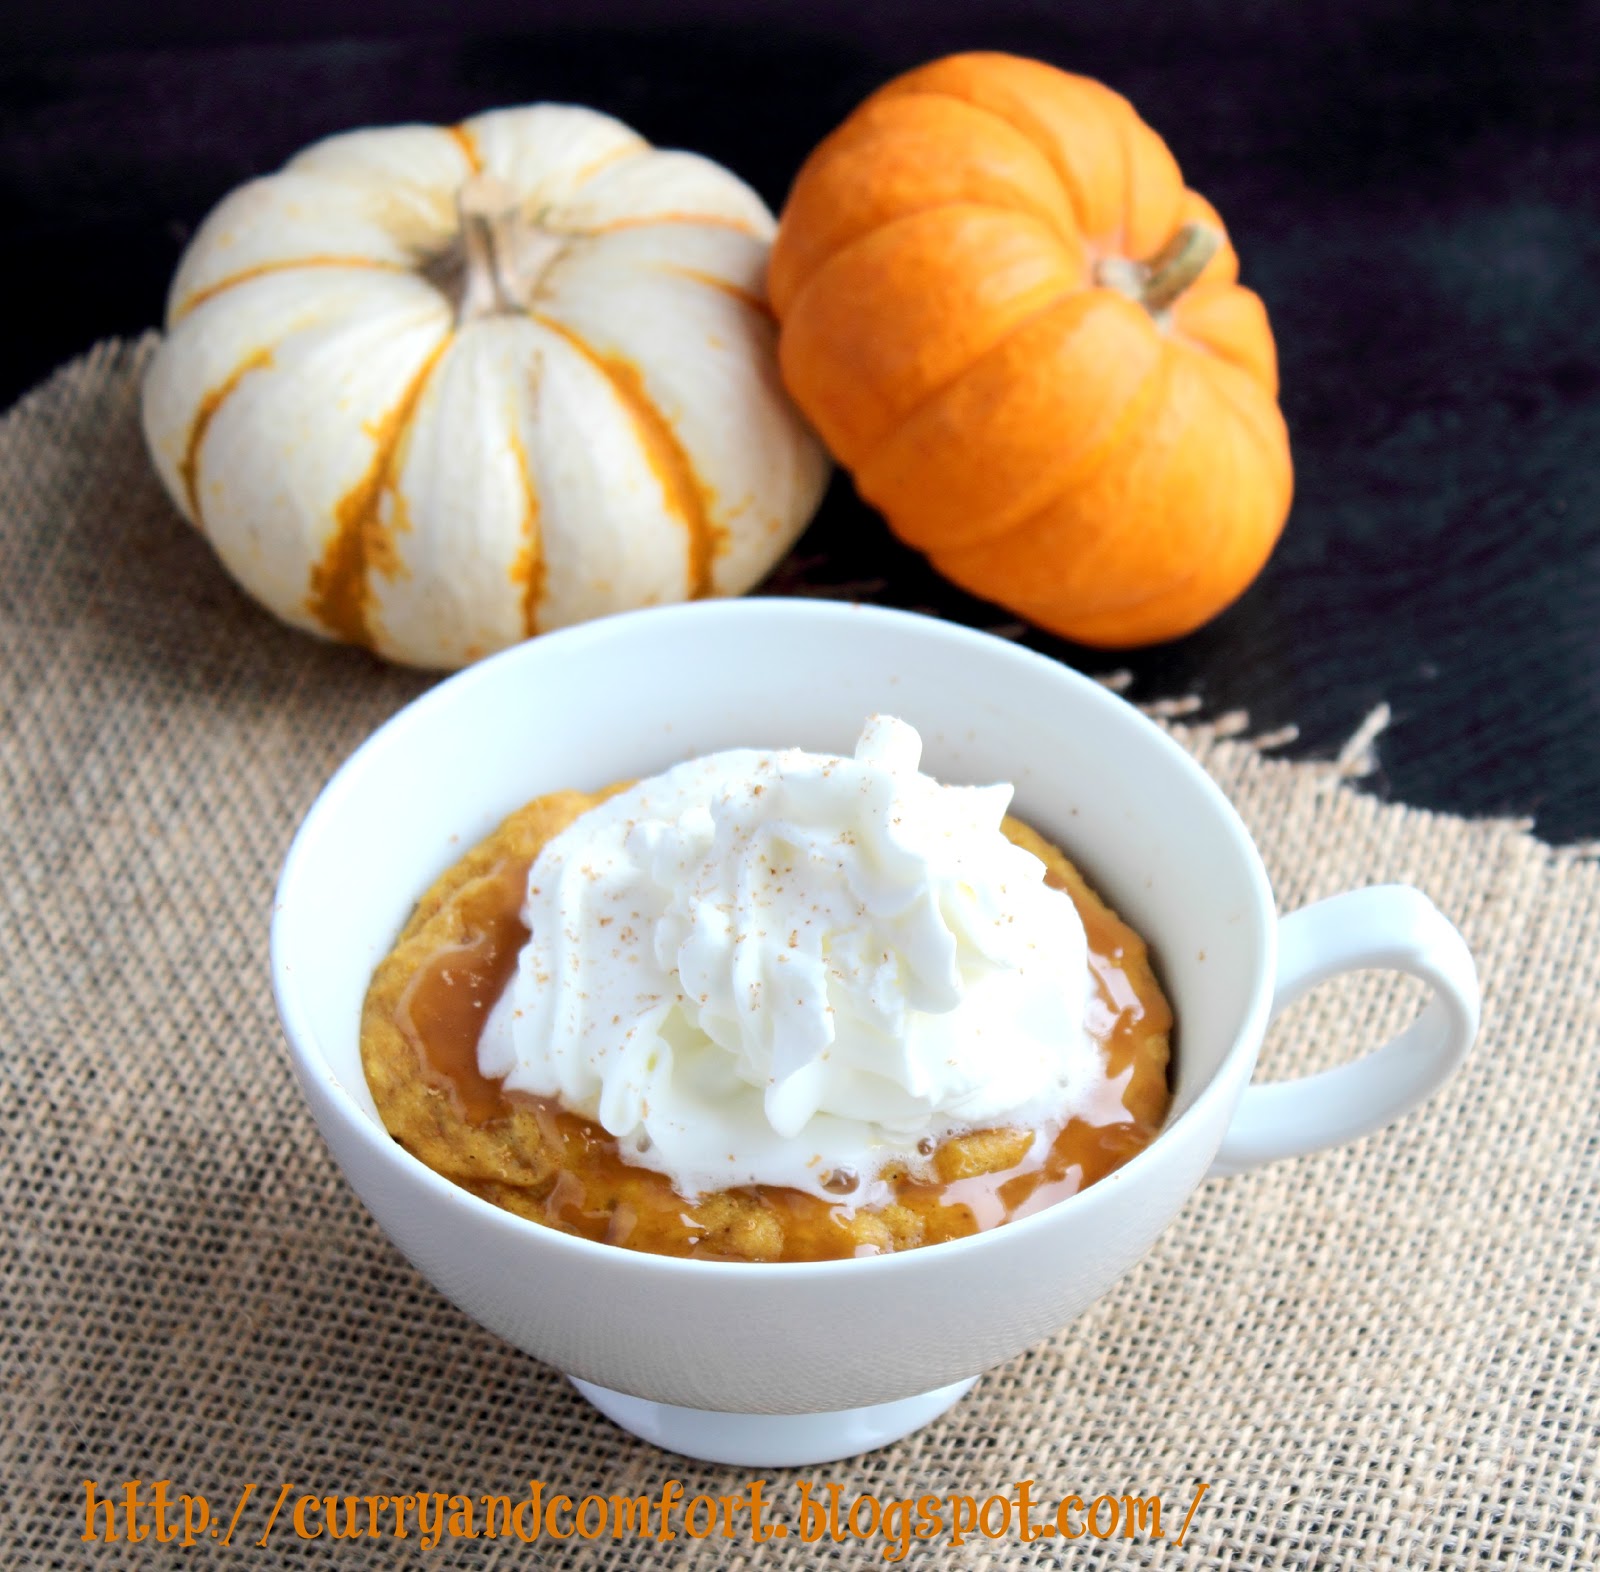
1389	926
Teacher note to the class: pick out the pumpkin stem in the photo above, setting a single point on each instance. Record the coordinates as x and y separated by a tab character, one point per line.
1178	264
502	255
1156	284
487	208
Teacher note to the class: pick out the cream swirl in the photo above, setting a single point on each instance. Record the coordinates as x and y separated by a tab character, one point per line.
790	968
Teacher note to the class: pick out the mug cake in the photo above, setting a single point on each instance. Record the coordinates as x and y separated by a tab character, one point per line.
769	1006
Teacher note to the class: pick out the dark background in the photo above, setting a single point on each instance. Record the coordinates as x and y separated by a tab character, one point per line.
1414	190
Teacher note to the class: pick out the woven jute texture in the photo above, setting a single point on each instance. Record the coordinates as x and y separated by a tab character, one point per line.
1387	1356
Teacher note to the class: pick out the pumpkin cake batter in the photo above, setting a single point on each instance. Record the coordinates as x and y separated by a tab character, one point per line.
429	998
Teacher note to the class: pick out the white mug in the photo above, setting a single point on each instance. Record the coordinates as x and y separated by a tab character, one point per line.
797	1363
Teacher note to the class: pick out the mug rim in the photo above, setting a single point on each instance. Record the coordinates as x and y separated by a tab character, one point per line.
314	1068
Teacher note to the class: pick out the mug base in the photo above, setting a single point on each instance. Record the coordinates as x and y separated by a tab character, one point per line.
771	1440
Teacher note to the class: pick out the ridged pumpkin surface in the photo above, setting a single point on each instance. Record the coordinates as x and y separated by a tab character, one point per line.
433	390
959	276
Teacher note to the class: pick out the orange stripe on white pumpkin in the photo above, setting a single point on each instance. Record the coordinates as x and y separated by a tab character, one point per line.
664	187
598	166
745	297
189	464
464	139
715	220
705	357
686	495
528	570
546	151
261	269
339	592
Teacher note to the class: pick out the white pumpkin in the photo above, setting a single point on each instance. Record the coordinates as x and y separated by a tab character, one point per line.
433	390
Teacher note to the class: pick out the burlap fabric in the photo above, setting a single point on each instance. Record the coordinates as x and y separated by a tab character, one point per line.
1380	1357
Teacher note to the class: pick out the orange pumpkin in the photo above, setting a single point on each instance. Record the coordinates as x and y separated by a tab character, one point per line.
1011	321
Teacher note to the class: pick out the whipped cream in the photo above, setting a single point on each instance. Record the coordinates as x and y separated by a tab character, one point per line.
790	968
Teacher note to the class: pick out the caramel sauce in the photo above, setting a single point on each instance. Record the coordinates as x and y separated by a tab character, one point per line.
443	1009
581	1184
